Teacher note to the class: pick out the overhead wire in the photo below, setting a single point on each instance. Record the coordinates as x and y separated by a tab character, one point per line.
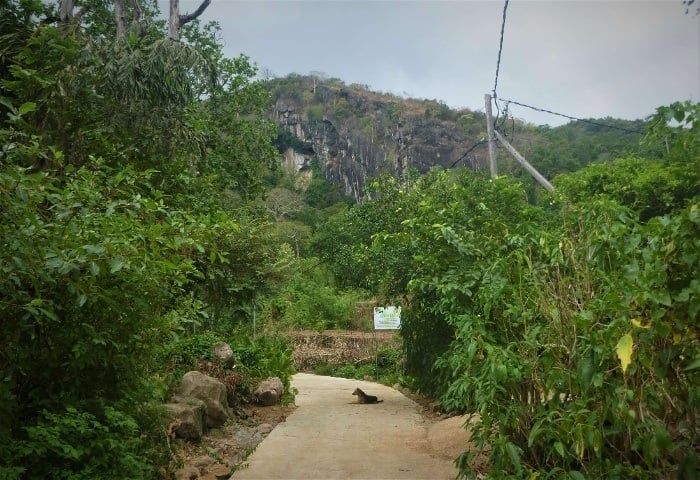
498	124
471	149
570	117
495	86
500	50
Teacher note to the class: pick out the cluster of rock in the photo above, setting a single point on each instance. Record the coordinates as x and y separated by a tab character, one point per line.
201	402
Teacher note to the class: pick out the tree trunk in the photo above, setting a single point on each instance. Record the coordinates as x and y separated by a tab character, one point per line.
174	23
66	10
177	20
120	17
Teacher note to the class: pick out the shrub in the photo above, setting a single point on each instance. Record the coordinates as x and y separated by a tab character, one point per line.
570	332
77	445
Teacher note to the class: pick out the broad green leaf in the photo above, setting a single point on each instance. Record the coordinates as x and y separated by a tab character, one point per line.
624	351
559	447
514	457
533	435
27	107
49	313
694	364
115	264
94	269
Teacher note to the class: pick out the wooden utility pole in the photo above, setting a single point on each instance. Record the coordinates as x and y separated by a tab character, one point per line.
543	181
493	166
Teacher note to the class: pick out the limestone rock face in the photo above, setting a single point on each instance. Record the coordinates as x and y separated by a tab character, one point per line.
210	391
356	135
269	391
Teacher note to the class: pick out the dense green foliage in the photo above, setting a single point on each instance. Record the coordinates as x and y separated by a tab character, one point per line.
570	147
142	221
569	326
385	367
124	171
256	359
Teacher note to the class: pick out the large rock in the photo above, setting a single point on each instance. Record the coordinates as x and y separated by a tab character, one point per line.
223	352
188	419
269	391
188	472
209	390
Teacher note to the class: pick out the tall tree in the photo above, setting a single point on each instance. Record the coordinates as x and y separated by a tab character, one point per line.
177	21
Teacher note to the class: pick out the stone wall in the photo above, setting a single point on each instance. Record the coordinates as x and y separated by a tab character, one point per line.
312	349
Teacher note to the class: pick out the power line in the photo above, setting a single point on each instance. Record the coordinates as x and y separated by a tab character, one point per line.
544	110
480	142
500	50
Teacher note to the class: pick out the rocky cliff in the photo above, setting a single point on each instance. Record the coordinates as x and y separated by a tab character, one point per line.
357	134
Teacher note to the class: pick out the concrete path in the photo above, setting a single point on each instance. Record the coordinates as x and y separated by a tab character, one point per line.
329	437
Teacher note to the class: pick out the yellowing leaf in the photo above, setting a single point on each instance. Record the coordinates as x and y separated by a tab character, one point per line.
638	324
624	351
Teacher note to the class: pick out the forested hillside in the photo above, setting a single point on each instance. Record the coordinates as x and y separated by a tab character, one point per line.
356	134
144	216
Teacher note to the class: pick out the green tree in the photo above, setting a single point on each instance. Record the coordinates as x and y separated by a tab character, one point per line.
569	329
119	230
345	241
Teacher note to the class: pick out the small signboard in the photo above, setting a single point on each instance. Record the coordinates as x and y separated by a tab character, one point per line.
387	318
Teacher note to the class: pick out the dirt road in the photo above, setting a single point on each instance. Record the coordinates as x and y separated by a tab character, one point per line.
329	437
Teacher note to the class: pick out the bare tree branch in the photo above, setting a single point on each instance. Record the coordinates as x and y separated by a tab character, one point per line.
138	11
191	16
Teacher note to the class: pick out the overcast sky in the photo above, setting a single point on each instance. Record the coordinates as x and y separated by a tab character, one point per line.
584	58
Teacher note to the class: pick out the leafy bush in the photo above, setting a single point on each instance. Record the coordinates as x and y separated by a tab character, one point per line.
650	187
311	303
89	266
319	308
266	356
387	368
80	445
190	350
571	333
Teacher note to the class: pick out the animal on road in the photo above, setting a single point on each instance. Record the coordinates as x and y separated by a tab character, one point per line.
362	397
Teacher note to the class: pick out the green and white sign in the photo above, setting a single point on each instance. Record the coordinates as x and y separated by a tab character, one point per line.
387	318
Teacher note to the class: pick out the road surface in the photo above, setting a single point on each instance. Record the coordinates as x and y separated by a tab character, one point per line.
330	437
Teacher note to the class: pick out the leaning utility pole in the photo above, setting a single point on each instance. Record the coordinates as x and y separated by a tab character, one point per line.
492	140
533	171
494	135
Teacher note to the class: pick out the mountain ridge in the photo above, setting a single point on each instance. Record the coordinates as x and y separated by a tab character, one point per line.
356	134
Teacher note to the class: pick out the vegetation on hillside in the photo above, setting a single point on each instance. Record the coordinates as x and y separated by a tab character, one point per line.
389	134
143	218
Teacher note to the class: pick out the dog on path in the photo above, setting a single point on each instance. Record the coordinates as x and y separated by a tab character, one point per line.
362	397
